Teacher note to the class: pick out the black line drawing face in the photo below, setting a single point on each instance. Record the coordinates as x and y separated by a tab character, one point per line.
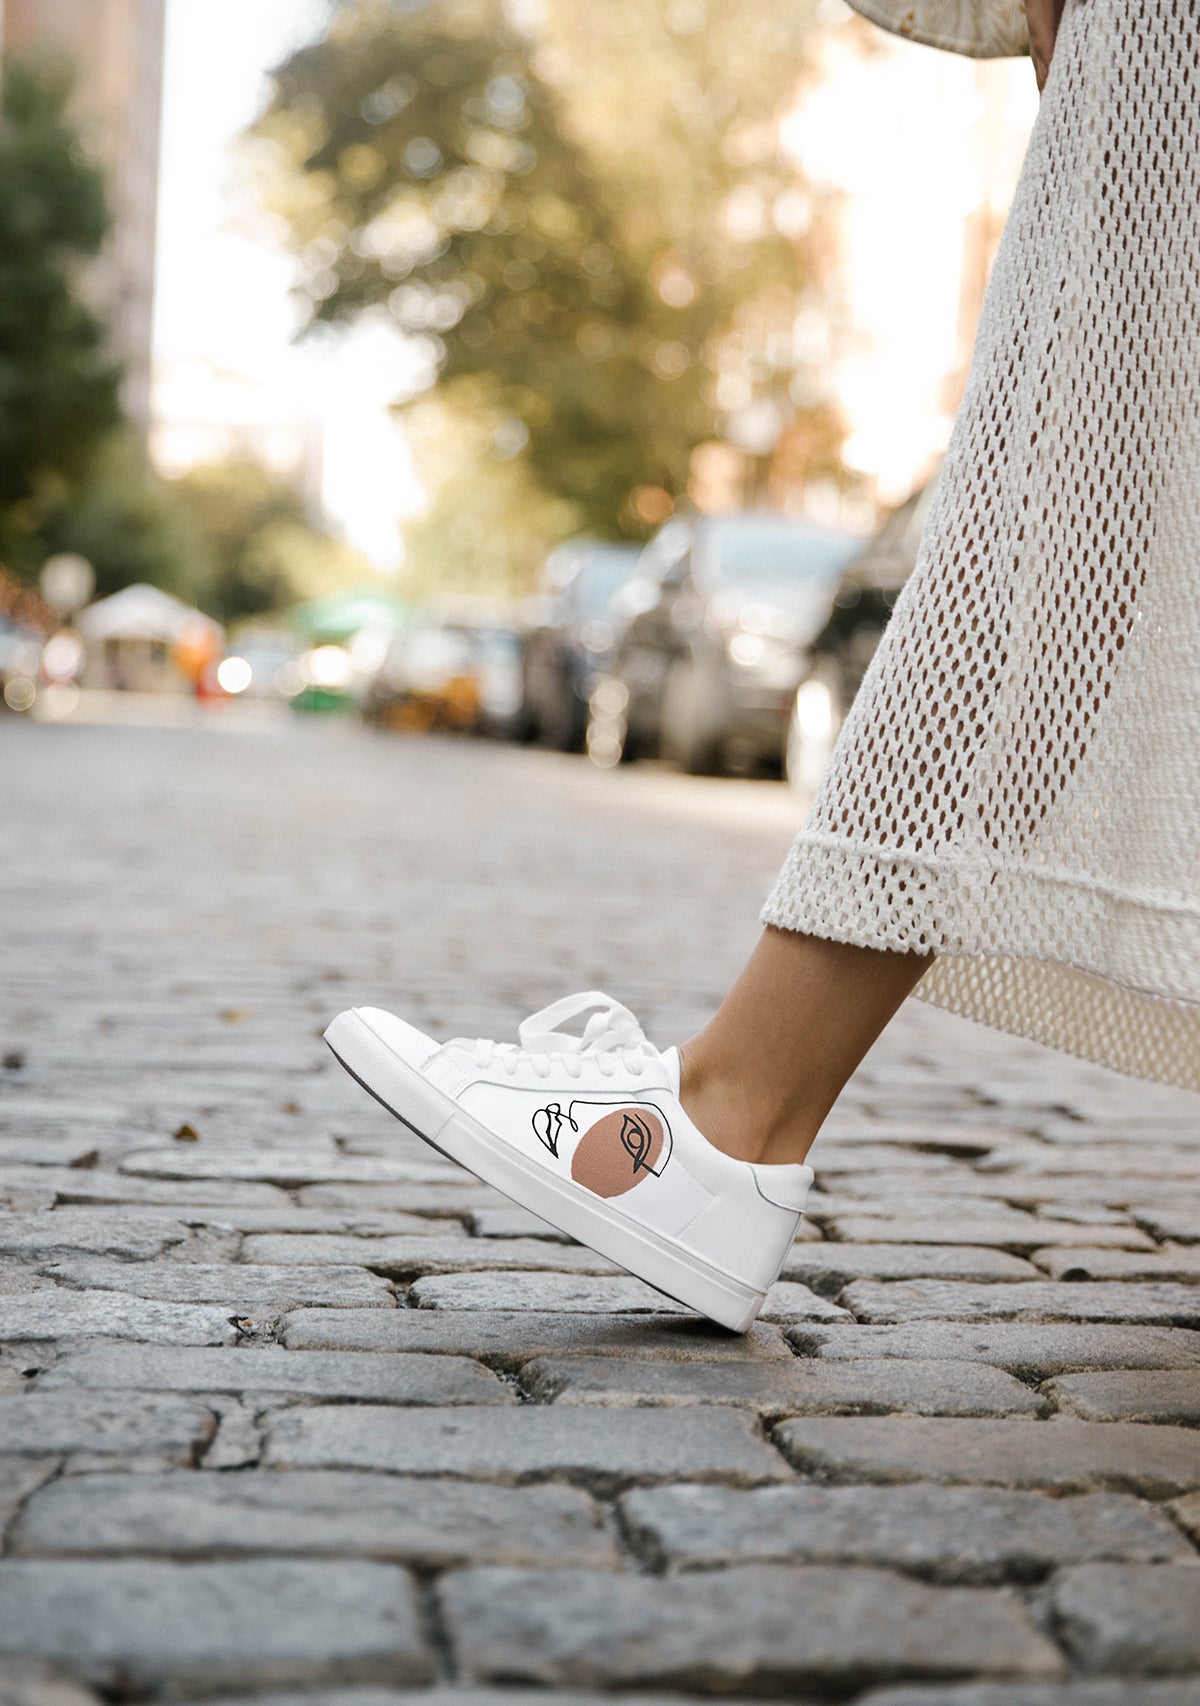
548	1123
637	1138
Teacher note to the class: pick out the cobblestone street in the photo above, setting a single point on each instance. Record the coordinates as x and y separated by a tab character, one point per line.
291	1408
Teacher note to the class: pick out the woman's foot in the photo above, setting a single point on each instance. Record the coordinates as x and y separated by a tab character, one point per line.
588	1132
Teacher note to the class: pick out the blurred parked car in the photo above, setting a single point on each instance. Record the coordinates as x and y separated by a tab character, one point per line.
444	674
720	616
568	643
845	646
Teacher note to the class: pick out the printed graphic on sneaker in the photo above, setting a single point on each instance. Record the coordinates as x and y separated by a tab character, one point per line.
620	1150
548	1123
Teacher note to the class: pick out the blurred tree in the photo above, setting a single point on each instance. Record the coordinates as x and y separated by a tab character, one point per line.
128	524
590	214
58	384
263	553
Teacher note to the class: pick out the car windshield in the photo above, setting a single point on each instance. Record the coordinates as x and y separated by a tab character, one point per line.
602	574
778	561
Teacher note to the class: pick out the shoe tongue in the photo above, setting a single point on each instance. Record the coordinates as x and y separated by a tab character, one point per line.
670	1061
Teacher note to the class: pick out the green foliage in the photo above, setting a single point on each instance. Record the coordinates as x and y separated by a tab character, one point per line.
262	552
584	219
129	525
58	384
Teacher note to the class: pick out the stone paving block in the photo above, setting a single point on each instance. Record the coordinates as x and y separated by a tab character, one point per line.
601	1294
951	1533
1171	1262
512	1222
81	1185
758	1626
454	1197
19	1477
187	1628
278	1167
1063	1454
108	1232
359	1223
1139	1618
808	1387
828	1266
430	1523
1031	1350
1152	1160
833	1158
1019	1189
1186	1512
1128	1691
45	1149
506	1340
430	1253
459	1694
1165	1222
1015	1231
1148	1301
54	1315
528	1442
30	1682
413	1379
243	1287
1144	1395
789	1301
105	1424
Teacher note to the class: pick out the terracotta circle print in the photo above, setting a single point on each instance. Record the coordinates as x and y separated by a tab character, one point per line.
618	1151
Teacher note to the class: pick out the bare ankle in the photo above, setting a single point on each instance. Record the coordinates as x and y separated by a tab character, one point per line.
737	1118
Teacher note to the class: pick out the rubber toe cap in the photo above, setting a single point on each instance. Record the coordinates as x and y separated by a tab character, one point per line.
403	1039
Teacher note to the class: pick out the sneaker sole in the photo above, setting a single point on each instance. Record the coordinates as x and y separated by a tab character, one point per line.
437	1118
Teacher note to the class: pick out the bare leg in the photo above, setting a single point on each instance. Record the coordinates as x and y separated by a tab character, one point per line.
761	1076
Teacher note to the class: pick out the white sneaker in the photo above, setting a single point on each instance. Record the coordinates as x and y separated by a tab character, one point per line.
588	1132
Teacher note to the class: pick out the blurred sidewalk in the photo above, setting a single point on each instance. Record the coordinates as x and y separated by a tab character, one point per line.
287	1402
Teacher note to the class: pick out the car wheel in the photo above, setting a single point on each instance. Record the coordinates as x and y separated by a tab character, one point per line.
690	732
813	728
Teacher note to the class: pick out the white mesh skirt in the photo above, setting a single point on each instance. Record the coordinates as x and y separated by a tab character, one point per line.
1017	786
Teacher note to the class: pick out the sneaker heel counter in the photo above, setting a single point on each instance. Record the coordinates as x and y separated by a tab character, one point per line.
783	1186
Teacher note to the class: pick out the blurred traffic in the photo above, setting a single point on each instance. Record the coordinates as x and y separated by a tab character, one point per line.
727	644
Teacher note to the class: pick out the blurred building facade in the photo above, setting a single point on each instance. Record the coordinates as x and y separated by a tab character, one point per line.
116	48
909	157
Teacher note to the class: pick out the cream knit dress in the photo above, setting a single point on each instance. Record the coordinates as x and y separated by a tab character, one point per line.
1017	786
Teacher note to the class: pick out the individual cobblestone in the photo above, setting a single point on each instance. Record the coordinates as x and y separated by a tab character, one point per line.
1131	1618
580	1294
949	1533
105	1424
413	1379
1155	1395
766	1626
811	1387
42	1237
827	1267
1032	1350
54	1314
1067	1455
160	1625
1014	1231
507	1339
430	1253
1170	1262
948	1300
430	1524
528	1443
246	1288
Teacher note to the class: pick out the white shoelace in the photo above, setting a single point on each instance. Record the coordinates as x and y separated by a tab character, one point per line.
612	1034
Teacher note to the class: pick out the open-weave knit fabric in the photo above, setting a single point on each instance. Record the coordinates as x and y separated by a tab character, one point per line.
1017	786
